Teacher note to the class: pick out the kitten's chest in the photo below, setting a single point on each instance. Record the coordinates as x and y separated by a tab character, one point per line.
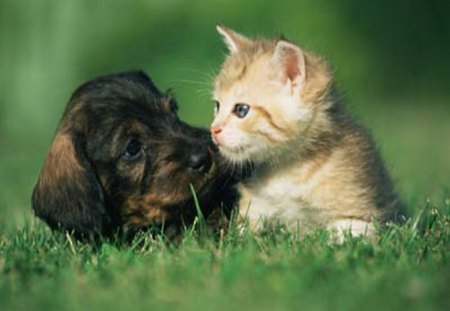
284	196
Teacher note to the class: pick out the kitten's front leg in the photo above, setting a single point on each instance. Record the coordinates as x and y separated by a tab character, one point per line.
354	227
247	215
253	210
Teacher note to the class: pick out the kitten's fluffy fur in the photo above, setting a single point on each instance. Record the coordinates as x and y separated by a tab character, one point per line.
312	164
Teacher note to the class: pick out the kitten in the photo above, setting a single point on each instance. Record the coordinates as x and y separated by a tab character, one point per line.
312	165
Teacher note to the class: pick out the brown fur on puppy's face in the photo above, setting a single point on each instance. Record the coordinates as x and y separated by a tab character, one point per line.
122	158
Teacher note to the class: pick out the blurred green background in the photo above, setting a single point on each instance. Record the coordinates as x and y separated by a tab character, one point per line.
391	59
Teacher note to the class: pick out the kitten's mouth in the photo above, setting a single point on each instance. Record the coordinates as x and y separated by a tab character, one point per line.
236	150
234	154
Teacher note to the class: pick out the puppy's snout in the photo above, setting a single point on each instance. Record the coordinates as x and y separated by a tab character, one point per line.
200	161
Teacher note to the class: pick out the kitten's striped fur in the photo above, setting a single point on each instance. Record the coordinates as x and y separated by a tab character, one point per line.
313	165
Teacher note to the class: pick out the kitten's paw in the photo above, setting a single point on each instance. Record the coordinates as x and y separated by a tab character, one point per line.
351	227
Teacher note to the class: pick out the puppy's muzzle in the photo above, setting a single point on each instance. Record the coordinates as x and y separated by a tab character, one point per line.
200	161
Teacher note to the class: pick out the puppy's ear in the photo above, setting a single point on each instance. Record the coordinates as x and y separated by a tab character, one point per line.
68	195
168	103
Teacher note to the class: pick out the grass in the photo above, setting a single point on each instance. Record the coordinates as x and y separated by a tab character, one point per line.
406	268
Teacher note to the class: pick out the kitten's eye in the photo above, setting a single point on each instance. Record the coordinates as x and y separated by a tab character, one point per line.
133	151
216	106
241	110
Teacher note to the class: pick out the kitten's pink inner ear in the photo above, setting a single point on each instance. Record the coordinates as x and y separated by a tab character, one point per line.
291	59
233	40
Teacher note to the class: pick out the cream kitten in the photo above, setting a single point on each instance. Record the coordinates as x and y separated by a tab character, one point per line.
312	165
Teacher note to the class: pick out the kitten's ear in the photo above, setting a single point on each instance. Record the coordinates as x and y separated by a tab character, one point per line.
290	58
233	40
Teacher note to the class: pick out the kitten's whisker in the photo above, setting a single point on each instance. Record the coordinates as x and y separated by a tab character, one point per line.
194	82
228	165
207	75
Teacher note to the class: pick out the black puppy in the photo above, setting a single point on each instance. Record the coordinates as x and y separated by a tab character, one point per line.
121	159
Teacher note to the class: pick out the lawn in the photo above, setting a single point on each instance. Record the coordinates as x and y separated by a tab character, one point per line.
407	268
391	62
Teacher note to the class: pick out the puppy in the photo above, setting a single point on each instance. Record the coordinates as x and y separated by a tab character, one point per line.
121	160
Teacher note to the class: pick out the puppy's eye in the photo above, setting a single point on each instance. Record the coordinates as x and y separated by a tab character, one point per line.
241	110
133	151
216	106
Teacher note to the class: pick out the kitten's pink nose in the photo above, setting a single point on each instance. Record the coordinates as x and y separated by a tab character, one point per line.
215	130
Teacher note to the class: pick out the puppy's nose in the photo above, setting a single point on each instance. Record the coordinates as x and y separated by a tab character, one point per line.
200	161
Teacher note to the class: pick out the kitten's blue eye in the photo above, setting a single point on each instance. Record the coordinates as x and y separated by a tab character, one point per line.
216	106
241	110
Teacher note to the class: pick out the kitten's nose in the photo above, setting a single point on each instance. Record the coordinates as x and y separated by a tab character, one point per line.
200	161
215	130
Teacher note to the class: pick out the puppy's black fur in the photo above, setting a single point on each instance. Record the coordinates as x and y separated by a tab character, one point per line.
122	160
